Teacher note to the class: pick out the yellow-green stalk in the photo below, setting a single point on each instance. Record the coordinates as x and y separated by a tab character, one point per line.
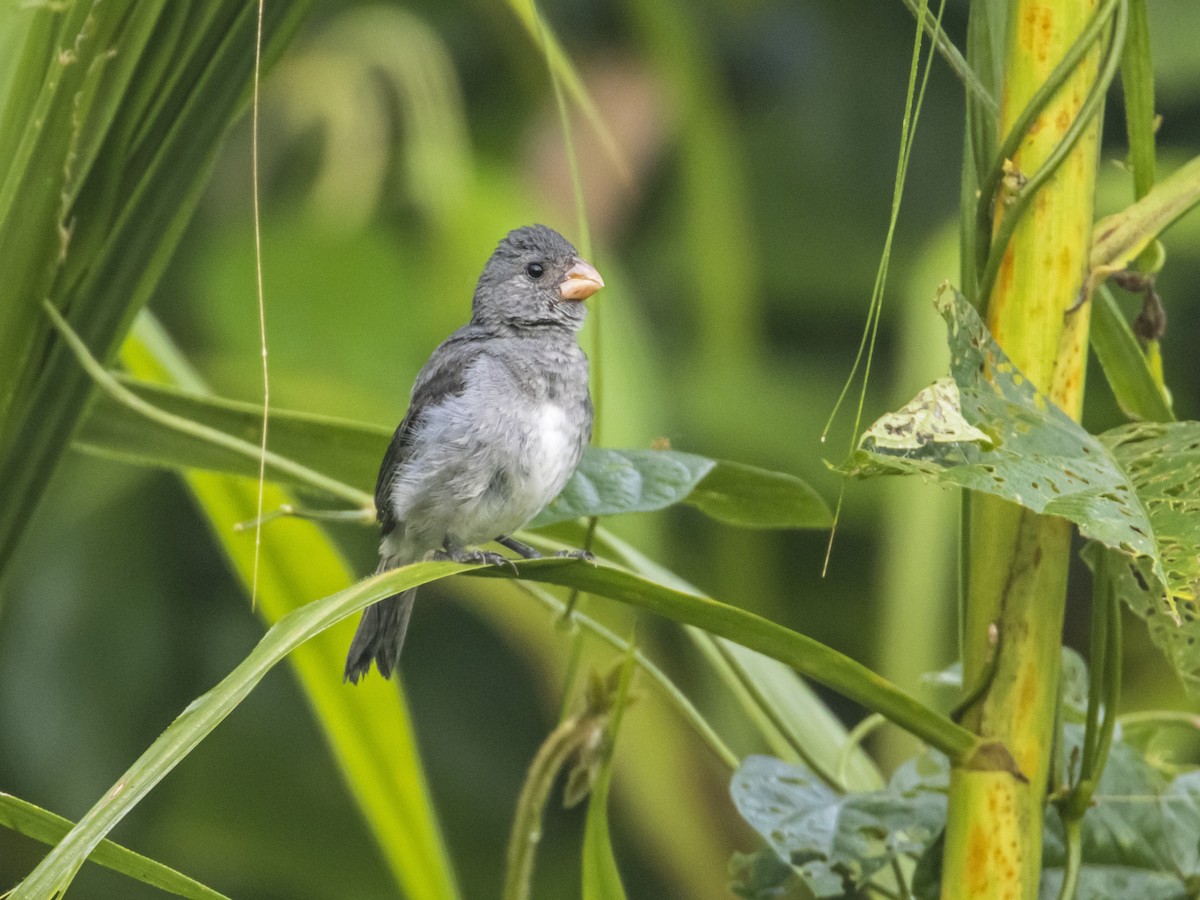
1017	570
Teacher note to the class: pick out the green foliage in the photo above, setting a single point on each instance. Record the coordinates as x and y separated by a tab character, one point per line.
369	730
1134	489
111	122
742	243
1139	837
609	482
838	843
54	873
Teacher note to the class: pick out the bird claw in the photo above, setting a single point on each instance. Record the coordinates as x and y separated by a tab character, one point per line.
474	557
585	555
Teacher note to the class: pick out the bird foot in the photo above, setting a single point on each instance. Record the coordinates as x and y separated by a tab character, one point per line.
471	557
585	555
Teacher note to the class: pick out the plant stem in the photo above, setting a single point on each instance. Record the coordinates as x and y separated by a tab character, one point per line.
1017	574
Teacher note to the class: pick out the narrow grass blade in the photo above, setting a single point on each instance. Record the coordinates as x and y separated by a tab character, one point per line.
368	728
55	872
41	825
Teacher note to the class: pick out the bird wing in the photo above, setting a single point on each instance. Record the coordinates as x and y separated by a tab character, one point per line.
444	375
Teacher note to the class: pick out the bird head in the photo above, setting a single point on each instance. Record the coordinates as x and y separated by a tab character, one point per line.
535	278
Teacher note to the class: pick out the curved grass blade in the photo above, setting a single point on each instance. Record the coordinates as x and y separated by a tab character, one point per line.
55	872
41	825
802	653
341	449
368	729
539	29
780	704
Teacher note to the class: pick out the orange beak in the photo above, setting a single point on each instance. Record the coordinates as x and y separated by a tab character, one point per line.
581	282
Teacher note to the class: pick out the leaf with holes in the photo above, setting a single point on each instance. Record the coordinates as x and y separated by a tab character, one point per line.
1134	490
1163	463
1139	837
837	842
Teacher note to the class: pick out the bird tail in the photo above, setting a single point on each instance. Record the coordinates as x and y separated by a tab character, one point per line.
380	637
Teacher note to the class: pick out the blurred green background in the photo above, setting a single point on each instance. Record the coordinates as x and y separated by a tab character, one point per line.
738	237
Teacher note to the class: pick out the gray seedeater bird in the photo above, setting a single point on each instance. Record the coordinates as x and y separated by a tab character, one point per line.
498	420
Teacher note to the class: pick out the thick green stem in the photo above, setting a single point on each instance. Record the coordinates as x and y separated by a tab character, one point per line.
1017	571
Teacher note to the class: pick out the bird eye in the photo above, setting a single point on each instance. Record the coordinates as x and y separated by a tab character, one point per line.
535	270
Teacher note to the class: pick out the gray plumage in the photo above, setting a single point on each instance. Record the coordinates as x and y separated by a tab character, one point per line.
498	420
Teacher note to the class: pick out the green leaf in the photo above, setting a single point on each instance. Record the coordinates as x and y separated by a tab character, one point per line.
1124	364
41	825
802	653
1140	836
609	482
837	842
1134	490
990	430
743	495
55	872
1163	462
347	451
1118	239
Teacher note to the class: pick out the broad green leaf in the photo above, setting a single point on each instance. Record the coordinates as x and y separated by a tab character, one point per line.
837	842
1163	462
609	482
1140	837
1133	490
42	825
55	872
743	495
992	431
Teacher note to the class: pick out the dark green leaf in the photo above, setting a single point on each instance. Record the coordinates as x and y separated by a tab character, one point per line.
1136	489
837	842
609	482
1141	835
